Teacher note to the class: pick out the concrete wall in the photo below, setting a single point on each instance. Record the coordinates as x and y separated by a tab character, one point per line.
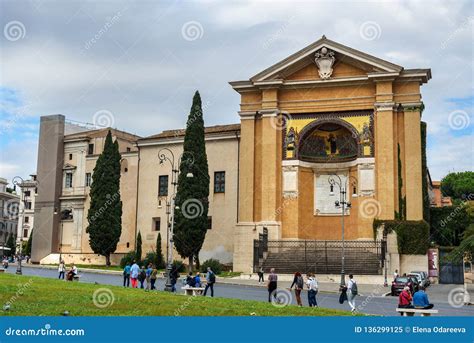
410	263
49	176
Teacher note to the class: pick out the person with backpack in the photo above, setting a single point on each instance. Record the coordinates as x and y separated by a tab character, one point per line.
126	275
272	285
352	291
142	277
312	285
211	280
299	284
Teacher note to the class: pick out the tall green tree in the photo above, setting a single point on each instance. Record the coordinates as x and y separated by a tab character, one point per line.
10	244
160	260
138	248
458	185
193	192
105	212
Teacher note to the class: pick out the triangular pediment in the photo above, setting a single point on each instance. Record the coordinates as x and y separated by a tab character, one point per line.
68	166
348	62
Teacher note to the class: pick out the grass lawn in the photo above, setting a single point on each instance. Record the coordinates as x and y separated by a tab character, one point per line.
38	296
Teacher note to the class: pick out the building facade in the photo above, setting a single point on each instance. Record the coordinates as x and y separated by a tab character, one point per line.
10	209
326	114
26	219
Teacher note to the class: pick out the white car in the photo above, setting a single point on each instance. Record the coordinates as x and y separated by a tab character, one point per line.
422	278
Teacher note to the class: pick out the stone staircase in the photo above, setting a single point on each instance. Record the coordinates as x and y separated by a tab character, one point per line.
328	261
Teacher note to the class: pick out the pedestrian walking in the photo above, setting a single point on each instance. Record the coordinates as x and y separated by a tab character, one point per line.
134	271
154	274
148	271
174	275
352	292
260	276
142	277
211	280
395	274
272	285
126	275
298	282
61	269
312	285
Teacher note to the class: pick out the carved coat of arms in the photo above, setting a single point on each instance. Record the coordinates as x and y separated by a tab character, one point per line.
324	59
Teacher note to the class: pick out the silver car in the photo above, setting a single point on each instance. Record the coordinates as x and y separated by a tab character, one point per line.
422	278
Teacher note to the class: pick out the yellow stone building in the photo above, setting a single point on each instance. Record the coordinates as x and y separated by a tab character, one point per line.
326	110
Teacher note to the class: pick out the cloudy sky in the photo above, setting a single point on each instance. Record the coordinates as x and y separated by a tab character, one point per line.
138	63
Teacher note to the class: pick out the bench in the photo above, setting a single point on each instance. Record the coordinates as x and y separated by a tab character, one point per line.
76	277
410	312
193	290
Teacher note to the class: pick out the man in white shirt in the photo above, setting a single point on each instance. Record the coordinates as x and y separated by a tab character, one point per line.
351	292
312	285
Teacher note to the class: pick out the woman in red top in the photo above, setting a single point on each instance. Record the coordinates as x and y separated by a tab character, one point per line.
405	298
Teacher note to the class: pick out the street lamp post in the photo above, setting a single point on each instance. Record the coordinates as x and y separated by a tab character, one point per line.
343	203
18	181
166	155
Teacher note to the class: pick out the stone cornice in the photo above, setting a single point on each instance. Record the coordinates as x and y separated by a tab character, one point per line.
413	107
384	106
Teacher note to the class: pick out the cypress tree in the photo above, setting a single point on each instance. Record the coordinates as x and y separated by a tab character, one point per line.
29	244
11	245
105	212
138	248
160	261
192	195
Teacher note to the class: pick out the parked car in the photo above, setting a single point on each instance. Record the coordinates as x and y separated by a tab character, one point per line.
400	282
422	278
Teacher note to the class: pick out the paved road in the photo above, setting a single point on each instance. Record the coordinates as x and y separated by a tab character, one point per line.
366	304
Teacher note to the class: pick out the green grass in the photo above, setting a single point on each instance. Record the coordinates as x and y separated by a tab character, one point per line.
36	296
229	274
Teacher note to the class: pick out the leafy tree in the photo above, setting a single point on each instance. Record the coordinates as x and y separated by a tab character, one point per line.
159	259
11	244
29	244
448	224
458	185
192	196
465	247
138	249
105	212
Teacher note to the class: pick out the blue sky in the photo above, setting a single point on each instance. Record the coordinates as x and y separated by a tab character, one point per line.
142	62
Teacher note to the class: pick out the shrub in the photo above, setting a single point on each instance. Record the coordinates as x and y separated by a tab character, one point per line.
448	224
215	265
413	236
128	258
150	257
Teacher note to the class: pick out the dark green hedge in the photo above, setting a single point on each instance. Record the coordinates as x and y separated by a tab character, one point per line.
413	236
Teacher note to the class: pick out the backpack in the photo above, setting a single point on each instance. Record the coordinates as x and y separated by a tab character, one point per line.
354	289
212	278
299	282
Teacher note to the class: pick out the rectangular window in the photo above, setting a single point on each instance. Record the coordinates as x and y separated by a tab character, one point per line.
219	182
209	222
27	193
88	179
27	219
68	183
25	233
156	224
28	205
163	186
90	149
70	157
128	149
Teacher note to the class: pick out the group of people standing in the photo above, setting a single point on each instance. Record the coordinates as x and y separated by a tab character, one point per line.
135	274
195	281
